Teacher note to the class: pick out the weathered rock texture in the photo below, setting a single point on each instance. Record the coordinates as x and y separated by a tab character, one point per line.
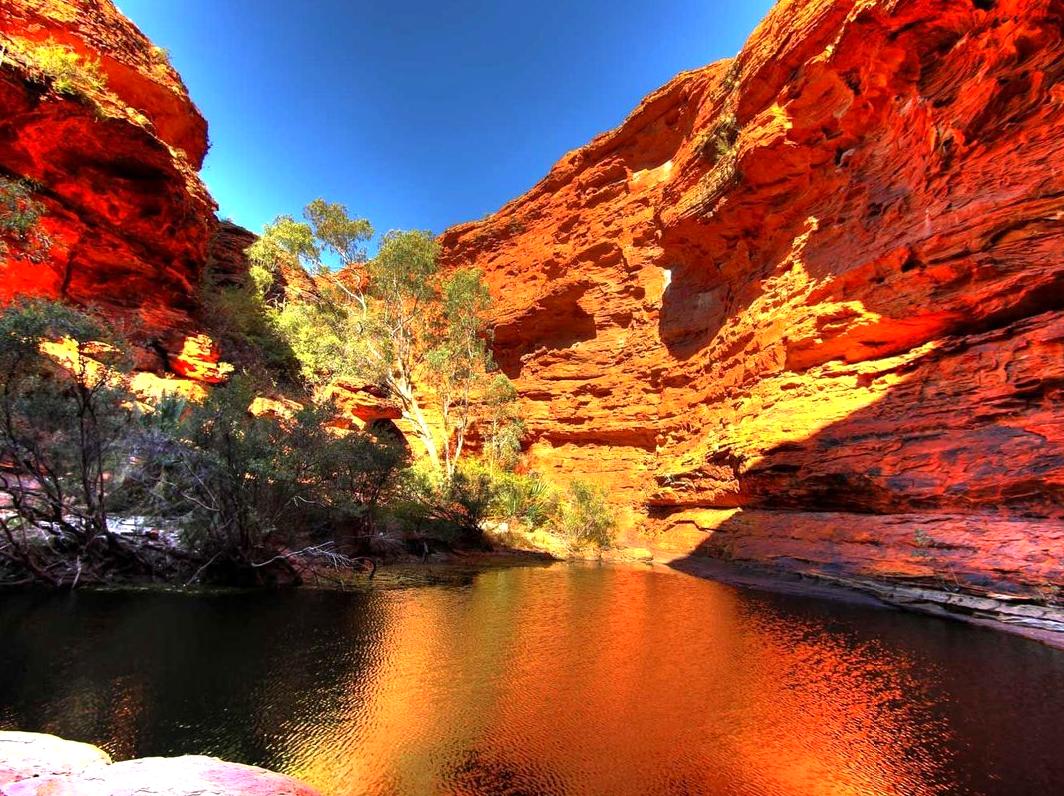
25	755
802	307
33	764
116	171
807	306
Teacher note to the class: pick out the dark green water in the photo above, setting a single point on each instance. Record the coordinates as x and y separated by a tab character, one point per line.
544	681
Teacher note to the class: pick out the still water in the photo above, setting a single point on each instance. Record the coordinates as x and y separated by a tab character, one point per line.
554	680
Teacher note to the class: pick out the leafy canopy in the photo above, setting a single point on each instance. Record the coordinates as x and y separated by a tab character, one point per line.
394	320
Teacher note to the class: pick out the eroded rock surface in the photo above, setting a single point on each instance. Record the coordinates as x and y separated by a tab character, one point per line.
24	755
807	306
803	307
116	172
33	764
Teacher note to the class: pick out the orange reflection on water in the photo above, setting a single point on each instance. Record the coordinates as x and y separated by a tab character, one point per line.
619	681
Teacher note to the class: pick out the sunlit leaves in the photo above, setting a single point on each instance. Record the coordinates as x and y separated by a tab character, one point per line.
337	231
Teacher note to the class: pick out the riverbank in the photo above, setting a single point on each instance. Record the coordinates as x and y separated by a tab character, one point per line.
1042	623
36	764
1018	615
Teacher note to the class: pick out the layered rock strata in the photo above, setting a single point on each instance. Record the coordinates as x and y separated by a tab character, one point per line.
807	306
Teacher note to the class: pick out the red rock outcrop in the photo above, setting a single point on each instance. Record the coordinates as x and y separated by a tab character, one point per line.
803	307
115	169
807	306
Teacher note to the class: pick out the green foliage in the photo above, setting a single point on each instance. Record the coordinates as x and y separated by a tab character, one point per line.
404	268
161	67
69	72
585	516
731	78
459	363
284	241
327	229
337	231
451	508
241	485
240	320
525	498
504	427
718	143
456	507
394	321
20	216
63	433
318	336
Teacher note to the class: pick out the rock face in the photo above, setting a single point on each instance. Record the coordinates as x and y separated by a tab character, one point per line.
25	755
32	764
807	306
804	307
115	168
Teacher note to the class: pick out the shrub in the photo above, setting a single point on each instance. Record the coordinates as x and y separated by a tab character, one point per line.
75	448
523	498
731	78
718	143
451	508
20	216
159	57
244	488
358	473
238	318
69	72
64	435
585	516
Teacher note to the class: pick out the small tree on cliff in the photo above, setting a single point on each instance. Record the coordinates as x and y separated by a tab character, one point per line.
20	216
393	320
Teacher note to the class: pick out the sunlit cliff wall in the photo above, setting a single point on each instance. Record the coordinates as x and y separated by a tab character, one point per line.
803	307
807	306
116	171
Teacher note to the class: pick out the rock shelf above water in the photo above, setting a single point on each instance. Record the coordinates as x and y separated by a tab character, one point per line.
35	764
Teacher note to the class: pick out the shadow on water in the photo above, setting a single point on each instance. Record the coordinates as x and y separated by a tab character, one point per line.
541	681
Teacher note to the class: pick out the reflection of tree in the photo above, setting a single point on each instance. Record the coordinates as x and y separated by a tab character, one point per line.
567	679
153	674
497	771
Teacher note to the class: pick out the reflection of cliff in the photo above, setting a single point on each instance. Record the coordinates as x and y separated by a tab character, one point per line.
497	688
826	276
542	681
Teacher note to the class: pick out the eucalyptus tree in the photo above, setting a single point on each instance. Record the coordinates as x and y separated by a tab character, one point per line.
395	320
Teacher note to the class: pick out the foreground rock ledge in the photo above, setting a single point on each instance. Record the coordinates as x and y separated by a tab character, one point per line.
33	764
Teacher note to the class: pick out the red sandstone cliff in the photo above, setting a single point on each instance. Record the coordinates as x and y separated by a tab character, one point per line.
803	307
807	306
116	171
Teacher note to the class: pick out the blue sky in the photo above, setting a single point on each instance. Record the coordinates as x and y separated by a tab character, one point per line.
419	115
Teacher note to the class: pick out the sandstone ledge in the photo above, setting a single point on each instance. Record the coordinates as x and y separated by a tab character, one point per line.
34	764
996	611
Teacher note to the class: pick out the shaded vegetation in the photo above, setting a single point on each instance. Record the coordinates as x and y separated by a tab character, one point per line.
76	447
65	442
20	215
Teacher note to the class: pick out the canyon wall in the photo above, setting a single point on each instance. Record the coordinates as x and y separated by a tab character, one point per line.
806	307
114	165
